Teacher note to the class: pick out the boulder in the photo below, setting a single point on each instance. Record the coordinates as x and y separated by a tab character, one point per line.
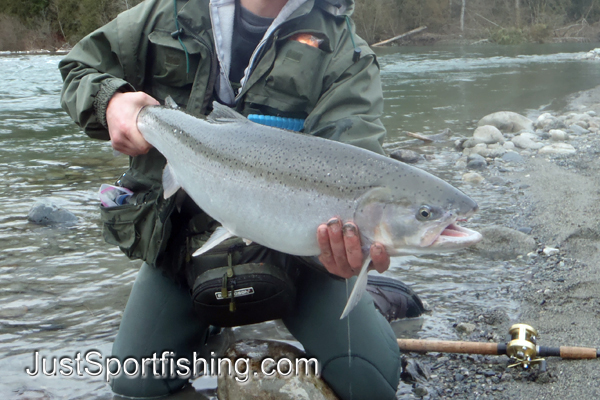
507	121
46	212
513	157
558	134
488	134
524	141
476	161
502	243
558	148
578	130
406	156
473	178
263	378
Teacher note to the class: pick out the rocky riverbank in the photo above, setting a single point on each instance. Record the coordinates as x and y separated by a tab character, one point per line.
559	186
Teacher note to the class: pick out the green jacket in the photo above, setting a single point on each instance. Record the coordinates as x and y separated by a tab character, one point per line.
339	98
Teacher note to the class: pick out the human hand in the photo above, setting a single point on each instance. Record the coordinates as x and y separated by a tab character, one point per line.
341	252
121	118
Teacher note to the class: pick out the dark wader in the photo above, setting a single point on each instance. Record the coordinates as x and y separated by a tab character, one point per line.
159	317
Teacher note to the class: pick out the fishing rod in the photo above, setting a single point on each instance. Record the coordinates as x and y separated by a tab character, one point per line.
522	348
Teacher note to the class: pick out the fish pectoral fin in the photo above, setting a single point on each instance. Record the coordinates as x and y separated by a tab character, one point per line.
247	241
170	183
360	286
223	113
170	103
219	235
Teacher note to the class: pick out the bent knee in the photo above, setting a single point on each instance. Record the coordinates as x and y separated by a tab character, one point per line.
358	378
143	386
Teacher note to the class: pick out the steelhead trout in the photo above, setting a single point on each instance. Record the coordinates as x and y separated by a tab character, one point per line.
275	187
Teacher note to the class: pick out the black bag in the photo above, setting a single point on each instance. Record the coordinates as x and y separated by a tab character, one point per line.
393	299
234	284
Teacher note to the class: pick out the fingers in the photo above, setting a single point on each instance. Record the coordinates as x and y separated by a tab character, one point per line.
331	244
380	259
353	248
121	118
341	251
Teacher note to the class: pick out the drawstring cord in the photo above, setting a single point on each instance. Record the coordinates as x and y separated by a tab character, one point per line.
177	34
356	54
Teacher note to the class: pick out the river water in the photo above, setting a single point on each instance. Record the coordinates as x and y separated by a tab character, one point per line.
62	289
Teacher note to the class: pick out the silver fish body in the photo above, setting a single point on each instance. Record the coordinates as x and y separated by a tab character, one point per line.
275	187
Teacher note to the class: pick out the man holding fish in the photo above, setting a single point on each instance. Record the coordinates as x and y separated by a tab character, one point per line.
295	60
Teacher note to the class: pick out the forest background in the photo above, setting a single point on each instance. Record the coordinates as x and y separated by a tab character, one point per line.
54	24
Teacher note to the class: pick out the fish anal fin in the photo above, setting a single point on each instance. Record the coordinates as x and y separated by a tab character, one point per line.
360	286
170	183
219	235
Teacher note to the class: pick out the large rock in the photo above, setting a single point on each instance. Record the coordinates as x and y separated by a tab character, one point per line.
501	243
47	212
406	156
524	141
507	121
488	134
558	148
473	178
297	385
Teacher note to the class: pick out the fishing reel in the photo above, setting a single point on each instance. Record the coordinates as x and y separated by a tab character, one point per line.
523	348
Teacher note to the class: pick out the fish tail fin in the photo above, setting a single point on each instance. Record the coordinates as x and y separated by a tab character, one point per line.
359	288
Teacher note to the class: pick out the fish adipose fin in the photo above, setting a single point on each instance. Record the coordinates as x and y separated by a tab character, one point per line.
223	113
219	235
360	286
170	184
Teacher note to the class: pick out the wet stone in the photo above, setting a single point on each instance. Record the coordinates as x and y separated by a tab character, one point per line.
502	243
476	161
507	121
473	178
513	157
259	386
558	148
578	130
525	229
47	213
465	328
406	156
488	134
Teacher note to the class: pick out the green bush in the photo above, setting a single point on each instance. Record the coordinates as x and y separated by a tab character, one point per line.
507	36
539	33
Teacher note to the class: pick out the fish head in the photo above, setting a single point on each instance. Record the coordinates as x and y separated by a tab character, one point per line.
418	221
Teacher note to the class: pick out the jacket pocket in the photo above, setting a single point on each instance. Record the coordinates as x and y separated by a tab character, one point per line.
294	83
140	230
169	65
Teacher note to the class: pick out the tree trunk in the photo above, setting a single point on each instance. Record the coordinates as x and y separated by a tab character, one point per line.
462	16
518	13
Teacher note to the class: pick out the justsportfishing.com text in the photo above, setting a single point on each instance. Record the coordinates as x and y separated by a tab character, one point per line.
166	365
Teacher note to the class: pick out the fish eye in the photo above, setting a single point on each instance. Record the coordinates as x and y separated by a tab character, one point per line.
424	213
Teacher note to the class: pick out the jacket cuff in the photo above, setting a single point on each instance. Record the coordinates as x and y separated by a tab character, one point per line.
108	88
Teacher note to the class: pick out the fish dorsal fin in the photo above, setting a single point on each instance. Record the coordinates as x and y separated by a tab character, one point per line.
223	113
360	286
170	183
219	235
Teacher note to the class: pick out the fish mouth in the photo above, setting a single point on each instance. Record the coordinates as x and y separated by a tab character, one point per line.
454	236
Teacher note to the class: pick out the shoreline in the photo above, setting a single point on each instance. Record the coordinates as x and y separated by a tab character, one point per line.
560	294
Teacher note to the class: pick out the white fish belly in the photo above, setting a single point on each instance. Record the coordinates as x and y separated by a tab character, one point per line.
279	217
